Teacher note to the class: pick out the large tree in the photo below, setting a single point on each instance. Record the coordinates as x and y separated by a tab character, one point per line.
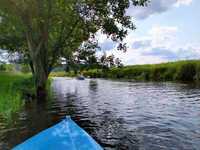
46	30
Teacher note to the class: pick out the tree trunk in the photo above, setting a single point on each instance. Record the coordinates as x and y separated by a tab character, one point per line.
41	73
41	78
39	59
67	69
31	66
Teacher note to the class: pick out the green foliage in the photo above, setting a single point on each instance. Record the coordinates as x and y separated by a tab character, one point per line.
7	67
197	76
46	30
63	74
2	67
10	94
25	68
58	74
186	72
174	71
14	89
26	87
94	73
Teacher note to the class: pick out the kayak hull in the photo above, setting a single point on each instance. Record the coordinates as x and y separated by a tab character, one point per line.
80	78
66	135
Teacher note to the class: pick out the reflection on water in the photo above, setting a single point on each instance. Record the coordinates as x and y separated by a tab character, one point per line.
119	115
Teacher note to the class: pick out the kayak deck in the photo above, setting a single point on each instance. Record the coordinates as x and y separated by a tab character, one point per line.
66	135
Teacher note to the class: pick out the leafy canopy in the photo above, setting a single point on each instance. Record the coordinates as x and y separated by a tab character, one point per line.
50	29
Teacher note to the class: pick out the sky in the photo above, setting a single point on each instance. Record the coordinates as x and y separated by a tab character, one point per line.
167	30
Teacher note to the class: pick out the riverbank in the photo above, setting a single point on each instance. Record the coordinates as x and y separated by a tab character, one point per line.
14	88
172	71
10	95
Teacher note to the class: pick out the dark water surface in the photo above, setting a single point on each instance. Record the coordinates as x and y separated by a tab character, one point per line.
119	115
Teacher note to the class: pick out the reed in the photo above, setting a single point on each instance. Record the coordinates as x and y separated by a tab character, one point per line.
173	71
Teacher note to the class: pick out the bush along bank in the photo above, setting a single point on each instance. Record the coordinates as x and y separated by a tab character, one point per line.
11	93
15	89
184	71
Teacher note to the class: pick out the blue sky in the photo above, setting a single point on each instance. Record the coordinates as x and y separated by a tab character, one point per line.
167	30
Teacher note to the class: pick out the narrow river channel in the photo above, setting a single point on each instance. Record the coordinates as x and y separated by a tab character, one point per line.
119	115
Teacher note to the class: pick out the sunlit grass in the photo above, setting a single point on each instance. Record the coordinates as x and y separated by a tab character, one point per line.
10	93
58	74
15	88
62	74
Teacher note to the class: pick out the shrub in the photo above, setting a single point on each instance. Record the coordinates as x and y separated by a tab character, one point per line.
181	71
25	68
170	73
10	99
146	75
197	76
93	73
2	67
186	72
158	73
58	74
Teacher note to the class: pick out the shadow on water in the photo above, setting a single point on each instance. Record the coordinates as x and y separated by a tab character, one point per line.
93	85
108	131
112	134
25	124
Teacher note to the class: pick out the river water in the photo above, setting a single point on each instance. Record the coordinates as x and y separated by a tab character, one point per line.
119	115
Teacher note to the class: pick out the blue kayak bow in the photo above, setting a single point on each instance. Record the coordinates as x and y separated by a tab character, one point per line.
66	135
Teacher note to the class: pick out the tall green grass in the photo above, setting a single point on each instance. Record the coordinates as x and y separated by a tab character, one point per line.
172	71
15	89
11	92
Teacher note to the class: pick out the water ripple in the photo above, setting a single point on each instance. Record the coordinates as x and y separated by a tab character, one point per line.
119	115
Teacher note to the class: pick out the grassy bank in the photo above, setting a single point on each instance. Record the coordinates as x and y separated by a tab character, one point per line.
173	71
62	74
12	88
15	88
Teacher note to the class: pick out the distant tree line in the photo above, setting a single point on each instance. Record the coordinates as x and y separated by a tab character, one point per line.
87	59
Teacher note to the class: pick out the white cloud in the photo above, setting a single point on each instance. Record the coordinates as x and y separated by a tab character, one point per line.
183	2
155	7
133	56
163	35
159	45
160	30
